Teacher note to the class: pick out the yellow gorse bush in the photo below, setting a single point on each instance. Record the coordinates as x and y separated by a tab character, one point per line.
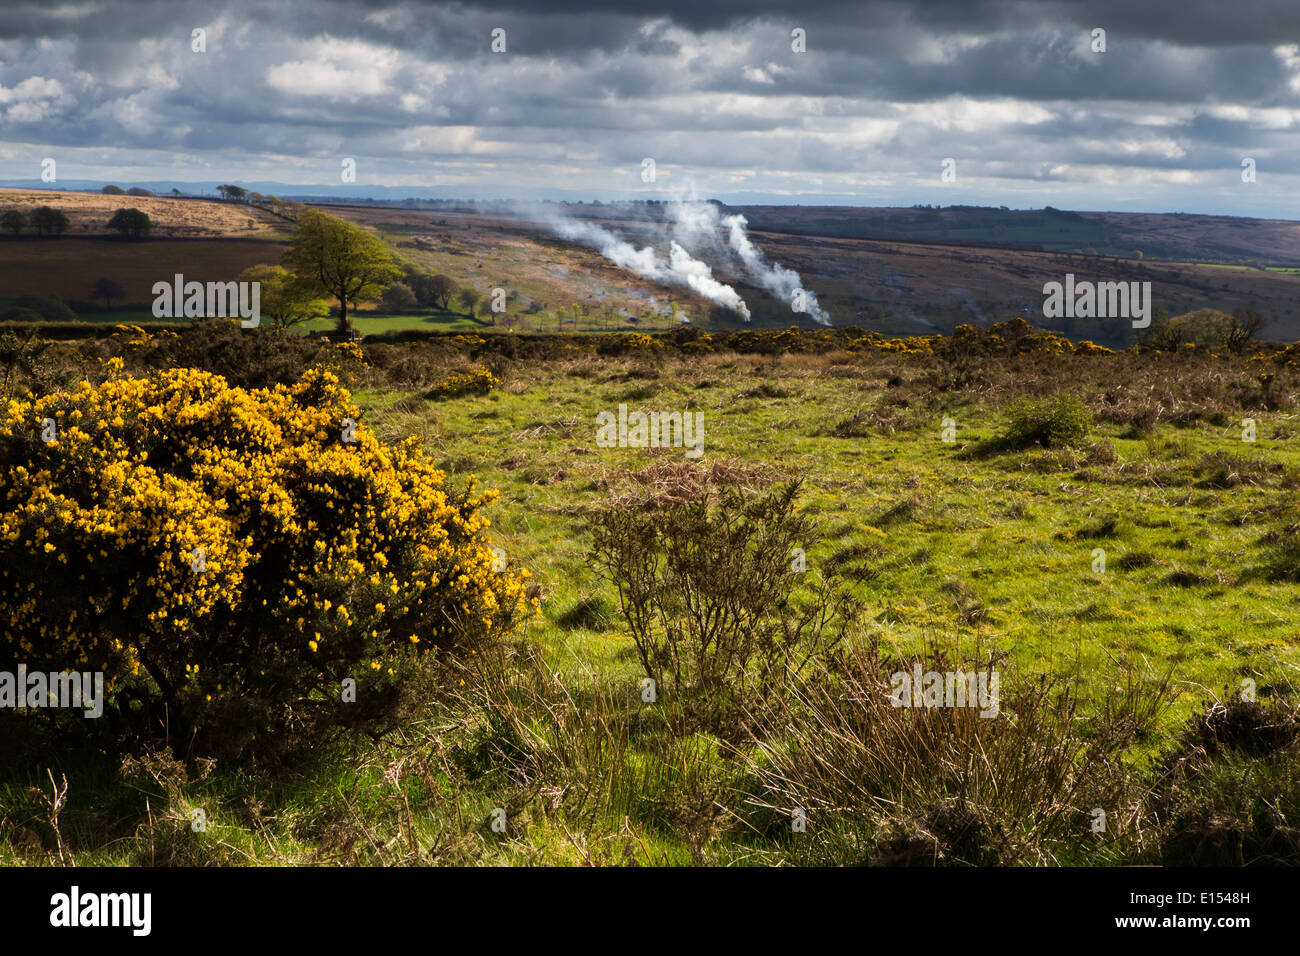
1289	356
477	381
184	535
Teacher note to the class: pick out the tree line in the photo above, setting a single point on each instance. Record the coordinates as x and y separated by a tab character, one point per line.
48	221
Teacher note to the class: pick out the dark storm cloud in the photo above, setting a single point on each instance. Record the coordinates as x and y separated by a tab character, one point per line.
1263	22
712	90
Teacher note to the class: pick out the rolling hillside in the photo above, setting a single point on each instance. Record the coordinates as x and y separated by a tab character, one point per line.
898	271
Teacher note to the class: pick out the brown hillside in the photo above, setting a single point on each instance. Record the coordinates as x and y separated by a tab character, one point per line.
173	218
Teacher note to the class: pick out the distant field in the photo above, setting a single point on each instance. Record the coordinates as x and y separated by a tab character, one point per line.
534	267
89	213
68	267
1160	235
378	322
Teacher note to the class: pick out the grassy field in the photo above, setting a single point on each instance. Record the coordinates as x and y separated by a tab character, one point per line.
377	322
88	213
964	548
939	540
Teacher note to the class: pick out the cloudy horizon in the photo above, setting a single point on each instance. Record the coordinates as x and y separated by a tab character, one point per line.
718	96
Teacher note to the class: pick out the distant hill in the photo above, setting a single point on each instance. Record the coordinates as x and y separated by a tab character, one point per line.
900	271
88	213
1222	239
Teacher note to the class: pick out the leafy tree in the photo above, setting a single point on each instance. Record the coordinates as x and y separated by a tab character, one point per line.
469	298
18	314
434	291
49	308
113	191
131	223
286	300
1160	334
14	221
339	259
139	191
1208	328
48	221
108	290
232	193
419	283
398	297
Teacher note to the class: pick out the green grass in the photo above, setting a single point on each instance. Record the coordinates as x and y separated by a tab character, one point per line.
1015	535
941	545
372	323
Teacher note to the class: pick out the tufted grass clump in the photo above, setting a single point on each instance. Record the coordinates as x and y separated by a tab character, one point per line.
1059	421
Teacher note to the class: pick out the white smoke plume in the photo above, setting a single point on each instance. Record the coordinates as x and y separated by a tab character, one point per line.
694	221
699	277
680	269
784	283
623	254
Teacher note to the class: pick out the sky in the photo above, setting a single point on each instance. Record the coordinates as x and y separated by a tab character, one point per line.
796	102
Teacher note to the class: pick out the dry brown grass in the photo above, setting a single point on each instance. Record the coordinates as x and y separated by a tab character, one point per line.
670	480
89	213
943	785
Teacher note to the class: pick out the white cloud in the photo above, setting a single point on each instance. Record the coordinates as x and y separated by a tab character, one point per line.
73	11
31	89
347	70
968	115
1160	147
1289	56
132	113
1258	117
34	99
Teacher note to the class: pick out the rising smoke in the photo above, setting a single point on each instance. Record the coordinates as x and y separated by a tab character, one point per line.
681	268
623	254
695	225
784	283
699	277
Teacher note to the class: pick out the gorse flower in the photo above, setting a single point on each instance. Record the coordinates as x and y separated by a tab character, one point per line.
182	534
478	381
